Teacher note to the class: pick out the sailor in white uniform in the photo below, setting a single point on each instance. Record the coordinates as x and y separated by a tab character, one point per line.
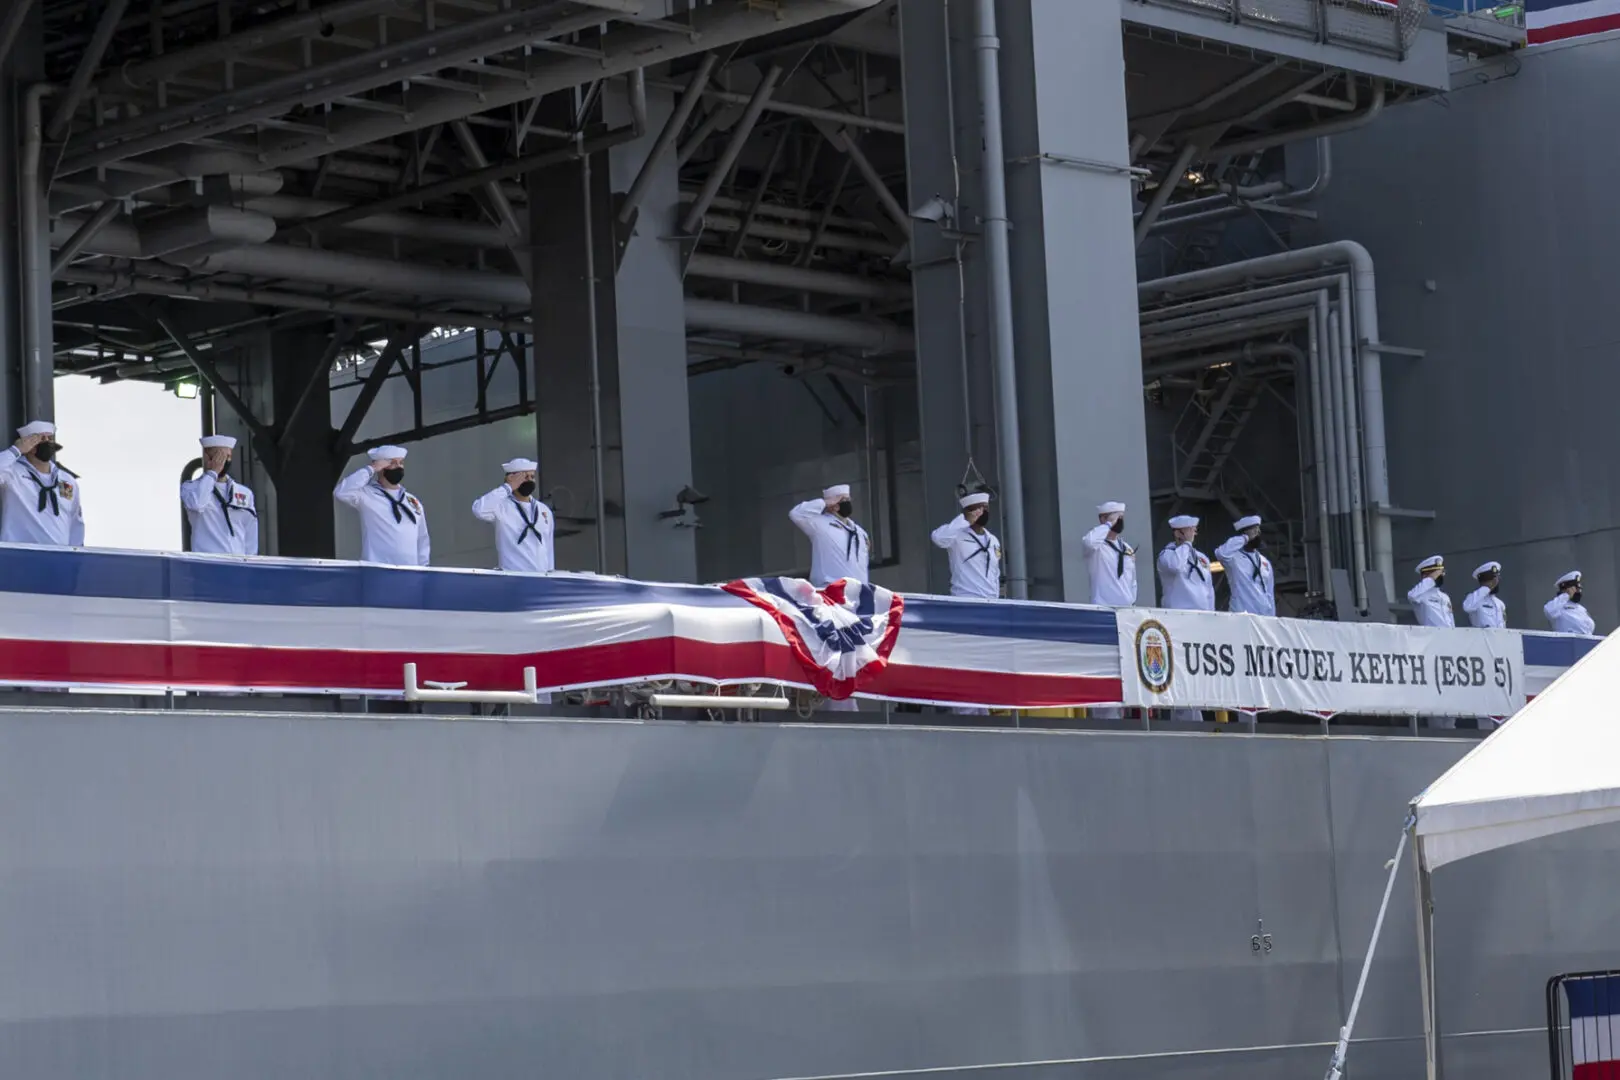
1189	583
223	514
1484	608
1110	560
41	502
524	527
1248	572
839	548
1429	603
974	550
393	524
1564	611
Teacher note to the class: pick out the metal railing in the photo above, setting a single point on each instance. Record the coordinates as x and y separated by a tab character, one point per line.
1381	26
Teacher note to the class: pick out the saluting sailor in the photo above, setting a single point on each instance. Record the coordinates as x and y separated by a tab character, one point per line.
1189	582
1429	602
974	550
1564	611
41	501
223	515
393	524
1248	571
1485	609
524	527
839	547
1111	561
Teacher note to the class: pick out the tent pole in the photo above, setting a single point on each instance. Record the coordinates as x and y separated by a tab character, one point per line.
1425	936
1336	1067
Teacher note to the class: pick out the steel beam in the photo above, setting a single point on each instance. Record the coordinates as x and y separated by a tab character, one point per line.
666	138
15	16
343	439
83	235
733	149
791	108
202	290
210	374
89	61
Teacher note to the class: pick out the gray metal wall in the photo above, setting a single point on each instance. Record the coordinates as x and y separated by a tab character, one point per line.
1492	221
273	896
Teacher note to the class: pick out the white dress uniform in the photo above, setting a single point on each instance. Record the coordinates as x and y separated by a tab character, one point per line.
1430	602
839	548
39	508
1189	583
1567	616
1111	563
224	516
393	524
975	556
1248	573
524	528
1484	608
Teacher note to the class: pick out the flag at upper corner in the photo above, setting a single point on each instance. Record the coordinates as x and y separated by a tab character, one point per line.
841	635
1559	20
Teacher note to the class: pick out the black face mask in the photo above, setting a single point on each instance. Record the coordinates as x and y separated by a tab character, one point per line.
845	508
1490	583
225	472
1575	596
1439	579
394	475
526	488
1118	526
1253	543
45	451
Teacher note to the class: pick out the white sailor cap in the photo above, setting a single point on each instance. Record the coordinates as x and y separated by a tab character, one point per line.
1571	578
1250	522
520	464
1111	508
975	498
1487	569
1433	562
837	491
386	453
1183	521
217	442
37	427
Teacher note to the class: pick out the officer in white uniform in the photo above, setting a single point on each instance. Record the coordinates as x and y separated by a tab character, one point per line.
1565	612
1484	608
839	547
1189	583
974	550
393	524
1109	559
223	515
1248	572
524	527
41	502
1429	602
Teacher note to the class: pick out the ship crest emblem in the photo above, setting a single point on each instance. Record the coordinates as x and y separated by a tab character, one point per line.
1155	663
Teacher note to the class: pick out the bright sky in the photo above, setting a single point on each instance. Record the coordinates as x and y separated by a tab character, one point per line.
129	442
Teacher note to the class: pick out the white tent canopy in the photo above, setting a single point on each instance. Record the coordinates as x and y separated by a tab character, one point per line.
1552	768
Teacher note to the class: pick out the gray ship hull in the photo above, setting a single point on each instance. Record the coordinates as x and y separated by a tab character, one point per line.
269	896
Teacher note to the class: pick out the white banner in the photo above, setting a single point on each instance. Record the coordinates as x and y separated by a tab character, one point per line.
1199	659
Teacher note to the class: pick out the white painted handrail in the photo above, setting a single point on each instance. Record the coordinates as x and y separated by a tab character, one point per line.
529	695
707	701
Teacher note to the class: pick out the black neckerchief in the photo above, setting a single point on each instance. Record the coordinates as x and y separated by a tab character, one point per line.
529	522
1123	549
1254	561
226	507
401	511
983	547
1193	566
47	494
852	543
